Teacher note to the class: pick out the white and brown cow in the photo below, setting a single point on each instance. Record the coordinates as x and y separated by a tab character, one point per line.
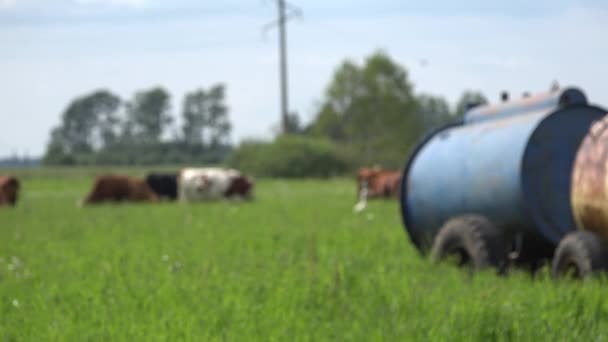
212	183
376	183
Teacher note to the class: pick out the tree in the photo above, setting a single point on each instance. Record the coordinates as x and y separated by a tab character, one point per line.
218	123
148	116
370	109
88	123
205	117
293	124
328	124
195	116
468	99
433	111
108	120
57	149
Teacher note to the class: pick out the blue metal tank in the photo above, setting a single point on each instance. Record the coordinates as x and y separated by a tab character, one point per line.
510	162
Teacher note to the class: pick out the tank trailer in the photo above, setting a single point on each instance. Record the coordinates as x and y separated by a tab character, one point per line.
522	182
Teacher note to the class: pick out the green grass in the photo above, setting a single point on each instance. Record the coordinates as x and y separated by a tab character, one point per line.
295	265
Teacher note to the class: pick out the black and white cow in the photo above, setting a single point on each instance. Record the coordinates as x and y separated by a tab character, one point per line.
163	184
212	183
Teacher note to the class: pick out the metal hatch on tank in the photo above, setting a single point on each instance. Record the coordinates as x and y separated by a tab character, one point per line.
510	163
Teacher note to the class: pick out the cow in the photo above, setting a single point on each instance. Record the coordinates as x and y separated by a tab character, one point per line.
212	183
117	188
9	190
376	183
163	184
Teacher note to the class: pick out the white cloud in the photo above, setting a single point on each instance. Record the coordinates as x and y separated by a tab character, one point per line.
7	3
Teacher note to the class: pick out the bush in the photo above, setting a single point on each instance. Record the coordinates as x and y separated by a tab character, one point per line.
289	157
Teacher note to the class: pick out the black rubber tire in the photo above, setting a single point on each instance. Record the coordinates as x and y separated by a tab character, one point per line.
579	254
473	238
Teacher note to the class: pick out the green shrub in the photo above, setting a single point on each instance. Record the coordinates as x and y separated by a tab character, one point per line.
289	157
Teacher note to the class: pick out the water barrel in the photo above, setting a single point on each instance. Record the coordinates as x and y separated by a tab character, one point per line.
511	163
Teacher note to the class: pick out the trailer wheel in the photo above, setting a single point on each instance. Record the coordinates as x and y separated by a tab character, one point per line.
578	255
473	240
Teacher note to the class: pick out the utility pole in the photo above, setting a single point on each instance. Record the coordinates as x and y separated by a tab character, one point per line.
283	65
285	11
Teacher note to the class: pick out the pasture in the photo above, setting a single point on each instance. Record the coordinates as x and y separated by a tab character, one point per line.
295	264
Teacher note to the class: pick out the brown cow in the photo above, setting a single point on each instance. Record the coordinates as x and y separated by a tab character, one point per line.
376	183
116	188
9	190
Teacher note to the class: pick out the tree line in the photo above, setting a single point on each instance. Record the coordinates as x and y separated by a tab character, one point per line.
369	114
101	128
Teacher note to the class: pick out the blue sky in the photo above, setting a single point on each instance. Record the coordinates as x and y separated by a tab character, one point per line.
55	50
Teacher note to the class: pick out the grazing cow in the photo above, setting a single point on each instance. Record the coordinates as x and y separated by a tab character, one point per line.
9	190
376	183
163	184
205	184
115	188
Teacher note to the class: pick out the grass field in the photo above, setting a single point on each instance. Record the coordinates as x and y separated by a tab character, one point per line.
295	265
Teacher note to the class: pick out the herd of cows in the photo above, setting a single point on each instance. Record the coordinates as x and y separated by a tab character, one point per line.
187	185
200	185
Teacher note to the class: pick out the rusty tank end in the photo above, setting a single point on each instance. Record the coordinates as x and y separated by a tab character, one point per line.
589	194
